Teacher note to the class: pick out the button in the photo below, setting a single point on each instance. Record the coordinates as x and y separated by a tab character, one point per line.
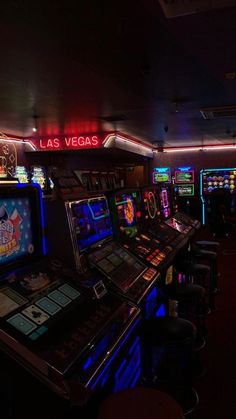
59	298
22	324
47	305
69	291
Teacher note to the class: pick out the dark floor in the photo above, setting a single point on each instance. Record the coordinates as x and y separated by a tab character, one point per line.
217	389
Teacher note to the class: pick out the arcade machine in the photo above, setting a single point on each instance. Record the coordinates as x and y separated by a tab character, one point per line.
22	174
184	187
39	176
163	232
216	179
167	211
69	337
127	215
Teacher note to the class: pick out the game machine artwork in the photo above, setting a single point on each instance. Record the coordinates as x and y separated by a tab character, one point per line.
217	187
44	312
22	174
161	175
39	176
184	186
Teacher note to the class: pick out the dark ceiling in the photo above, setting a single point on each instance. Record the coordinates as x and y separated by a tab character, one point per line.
86	66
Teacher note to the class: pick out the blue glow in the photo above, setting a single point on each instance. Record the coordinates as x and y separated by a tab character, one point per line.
151	303
184	169
44	250
137	375
93	385
161	312
92	221
88	363
123	363
136	342
161	169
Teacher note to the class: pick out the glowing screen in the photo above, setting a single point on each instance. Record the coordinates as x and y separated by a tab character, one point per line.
184	176
219	179
91	221
16	237
22	174
39	176
165	203
161	174
128	213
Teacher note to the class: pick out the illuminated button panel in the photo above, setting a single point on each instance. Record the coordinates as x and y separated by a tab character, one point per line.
150	274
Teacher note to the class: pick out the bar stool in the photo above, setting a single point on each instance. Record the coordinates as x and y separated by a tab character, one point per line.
168	347
140	403
191	299
197	273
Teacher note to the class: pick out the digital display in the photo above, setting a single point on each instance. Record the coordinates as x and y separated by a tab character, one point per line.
176	225
16	236
151	210
128	212
161	174
165	203
92	221
185	190
218	179
184	176
38	175
21	173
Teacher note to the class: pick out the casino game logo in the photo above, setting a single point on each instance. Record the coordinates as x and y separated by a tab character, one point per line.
9	231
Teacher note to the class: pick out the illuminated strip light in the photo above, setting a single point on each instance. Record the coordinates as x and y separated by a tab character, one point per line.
10	140
200	148
117	137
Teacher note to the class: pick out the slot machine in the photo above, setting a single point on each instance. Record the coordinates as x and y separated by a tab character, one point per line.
127	216
71	338
211	180
167	236
185	190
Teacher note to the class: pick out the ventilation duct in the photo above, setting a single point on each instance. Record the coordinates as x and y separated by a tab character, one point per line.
175	8
219	112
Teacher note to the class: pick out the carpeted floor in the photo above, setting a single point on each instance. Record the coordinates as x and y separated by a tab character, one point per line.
217	389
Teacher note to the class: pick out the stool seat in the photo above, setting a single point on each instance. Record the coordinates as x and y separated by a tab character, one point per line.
182	291
207	254
140	403
193	268
168	330
207	243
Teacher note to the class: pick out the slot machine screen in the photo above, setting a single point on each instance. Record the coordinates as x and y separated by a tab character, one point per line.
21	173
185	190
165	203
38	175
91	220
21	237
218	179
184	176
161	174
151	208
127	205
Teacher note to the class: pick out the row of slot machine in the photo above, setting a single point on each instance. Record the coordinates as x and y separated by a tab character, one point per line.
78	274
91	181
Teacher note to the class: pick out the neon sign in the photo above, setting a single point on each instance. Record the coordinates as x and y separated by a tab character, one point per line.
56	143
